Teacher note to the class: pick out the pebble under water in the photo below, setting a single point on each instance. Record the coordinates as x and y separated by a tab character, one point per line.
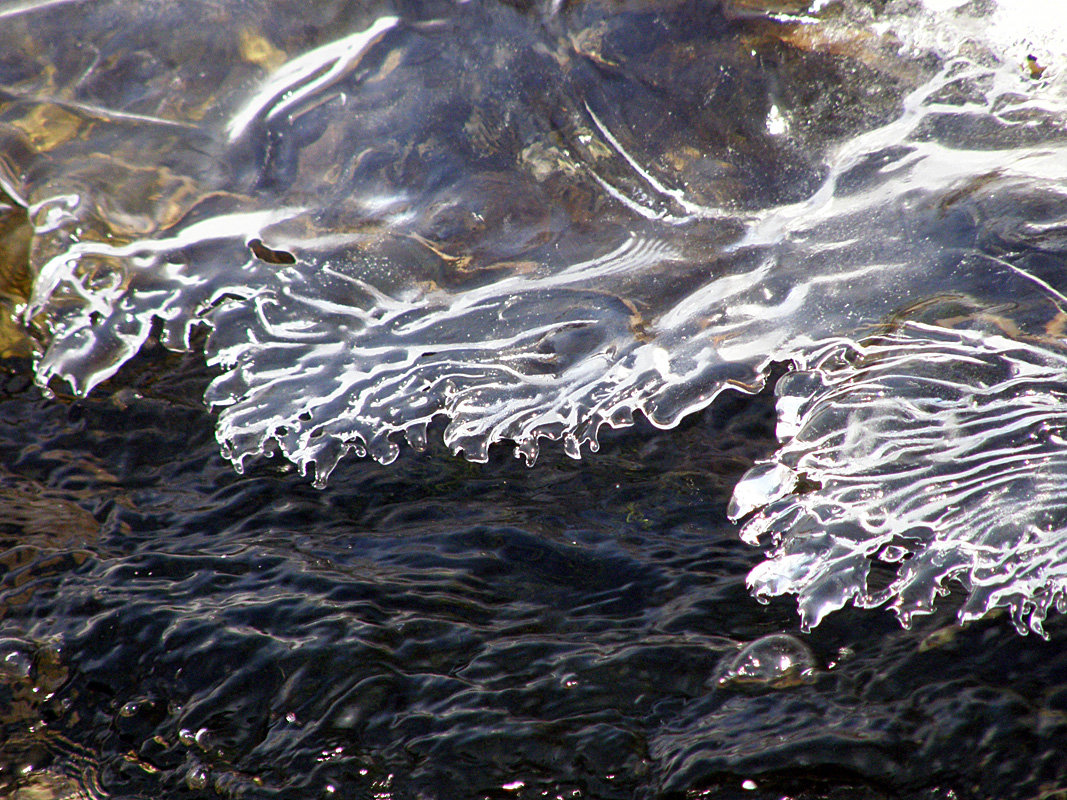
752	272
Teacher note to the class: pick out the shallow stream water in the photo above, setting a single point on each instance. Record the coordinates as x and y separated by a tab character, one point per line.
767	298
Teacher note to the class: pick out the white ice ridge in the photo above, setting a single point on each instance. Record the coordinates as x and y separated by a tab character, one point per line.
526	357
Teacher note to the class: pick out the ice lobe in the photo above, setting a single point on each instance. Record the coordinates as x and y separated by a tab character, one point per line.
491	361
940	455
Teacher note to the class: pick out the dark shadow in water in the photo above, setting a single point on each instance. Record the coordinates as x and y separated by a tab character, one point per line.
437	629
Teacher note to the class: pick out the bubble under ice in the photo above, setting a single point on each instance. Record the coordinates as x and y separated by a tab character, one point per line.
525	223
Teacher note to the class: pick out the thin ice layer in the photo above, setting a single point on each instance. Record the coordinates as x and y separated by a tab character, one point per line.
532	222
524	222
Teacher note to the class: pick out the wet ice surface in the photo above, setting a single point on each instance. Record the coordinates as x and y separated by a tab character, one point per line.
533	224
488	223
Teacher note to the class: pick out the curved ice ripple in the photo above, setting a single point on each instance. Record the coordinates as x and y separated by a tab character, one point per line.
940	455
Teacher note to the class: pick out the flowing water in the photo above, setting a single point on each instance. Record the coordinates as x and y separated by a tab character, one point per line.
767	297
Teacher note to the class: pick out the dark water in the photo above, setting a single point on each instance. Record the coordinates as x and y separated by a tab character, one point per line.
440	629
736	273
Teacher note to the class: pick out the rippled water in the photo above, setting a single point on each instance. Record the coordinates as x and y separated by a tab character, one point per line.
375	229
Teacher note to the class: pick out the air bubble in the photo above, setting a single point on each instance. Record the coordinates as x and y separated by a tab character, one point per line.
777	661
129	709
15	659
196	778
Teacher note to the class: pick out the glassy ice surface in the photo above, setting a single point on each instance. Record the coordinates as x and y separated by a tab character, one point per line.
534	221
